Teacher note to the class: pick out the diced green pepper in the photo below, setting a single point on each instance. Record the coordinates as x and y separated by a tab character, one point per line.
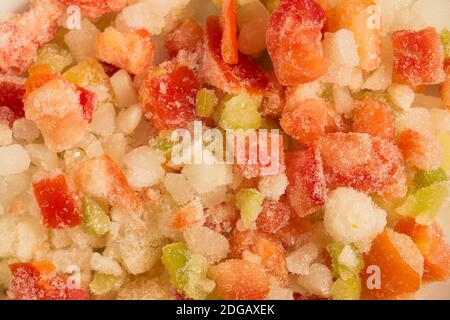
198	285
104	283
341	268
206	103
425	203
240	112
187	271
424	178
175	257
164	143
95	220
249	202
349	289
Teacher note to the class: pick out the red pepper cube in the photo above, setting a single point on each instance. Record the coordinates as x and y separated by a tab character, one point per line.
11	95
169	96
25	282
418	57
59	208
186	36
294	41
307	185
245	76
87	102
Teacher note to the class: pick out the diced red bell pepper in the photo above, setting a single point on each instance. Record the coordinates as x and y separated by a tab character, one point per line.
309	119
420	150
87	102
363	162
6	116
375	118
296	232
25	282
169	96
274	215
109	69
11	95
307	185
187	36
30	283
245	76
418	57
294	41
59	208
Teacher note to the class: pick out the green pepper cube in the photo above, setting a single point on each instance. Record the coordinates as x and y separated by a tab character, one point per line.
95	219
249	202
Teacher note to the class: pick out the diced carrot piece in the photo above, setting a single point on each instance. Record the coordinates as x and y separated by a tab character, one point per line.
273	258
263	156
187	36
102	178
169	95
270	251
363	18
294	41
46	268
430	240
274	216
239	280
23	35
420	150
94	9
374	117
297	232
55	106
365	163
307	187
309	119
38	75
59	208
187	217
245	76
132	51
418	57
229	45
399	263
